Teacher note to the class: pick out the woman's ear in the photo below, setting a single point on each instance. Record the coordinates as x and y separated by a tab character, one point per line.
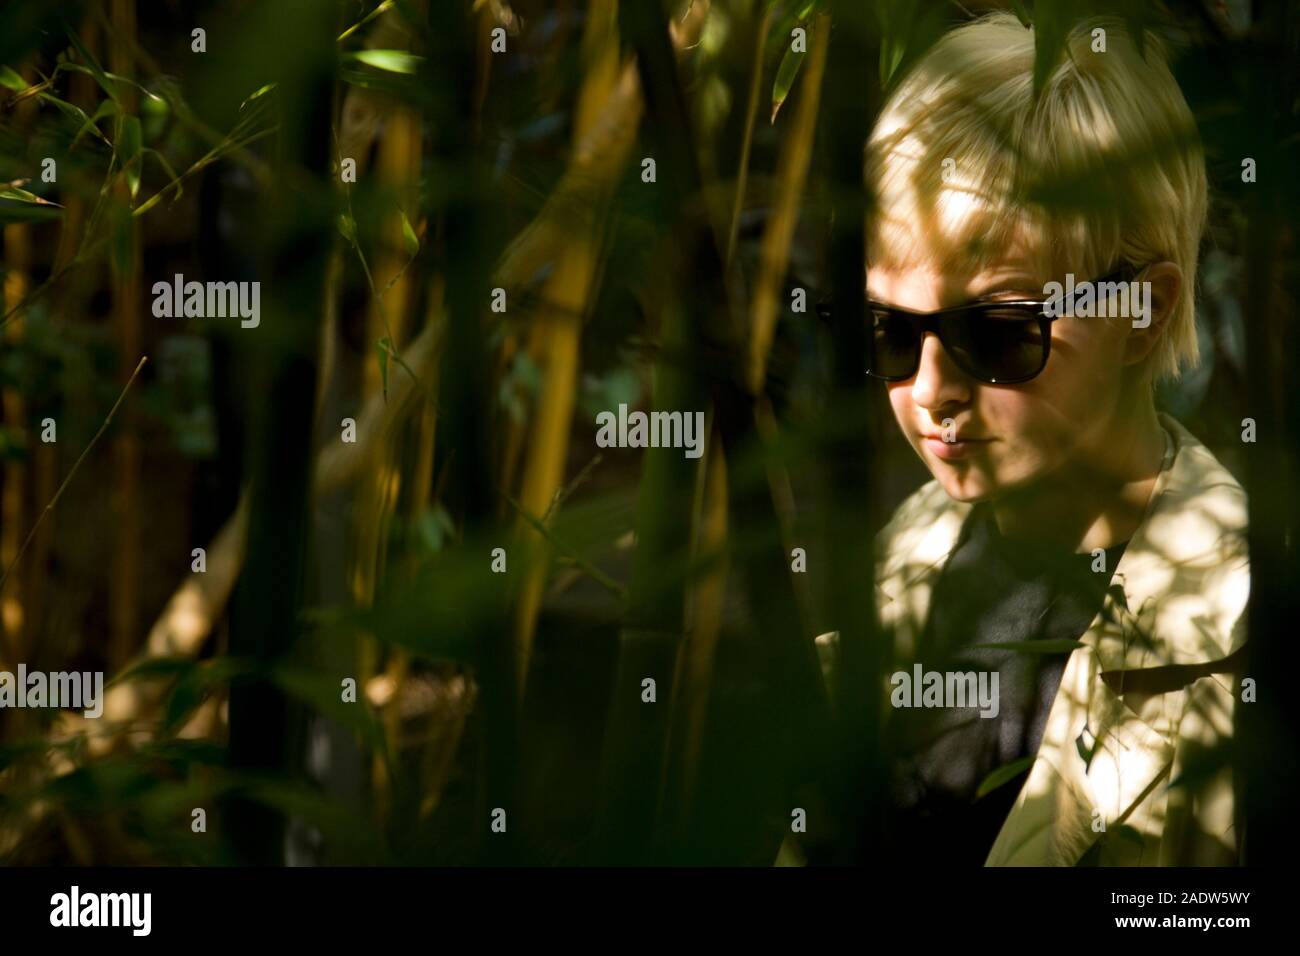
1162	287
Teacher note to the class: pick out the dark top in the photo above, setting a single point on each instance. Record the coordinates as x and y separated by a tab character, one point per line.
992	590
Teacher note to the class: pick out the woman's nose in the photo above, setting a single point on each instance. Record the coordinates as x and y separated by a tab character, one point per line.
938	382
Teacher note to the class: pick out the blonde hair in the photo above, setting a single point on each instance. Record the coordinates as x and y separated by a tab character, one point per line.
1101	166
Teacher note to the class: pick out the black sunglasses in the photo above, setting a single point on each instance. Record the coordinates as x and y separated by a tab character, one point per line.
998	343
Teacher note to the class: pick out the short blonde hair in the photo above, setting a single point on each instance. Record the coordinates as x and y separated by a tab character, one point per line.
1102	166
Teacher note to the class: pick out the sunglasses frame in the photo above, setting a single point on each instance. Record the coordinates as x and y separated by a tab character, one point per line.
934	322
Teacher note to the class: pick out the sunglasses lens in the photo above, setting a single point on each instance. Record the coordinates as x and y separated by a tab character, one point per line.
997	345
892	346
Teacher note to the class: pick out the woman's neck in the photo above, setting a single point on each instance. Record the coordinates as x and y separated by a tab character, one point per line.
1098	498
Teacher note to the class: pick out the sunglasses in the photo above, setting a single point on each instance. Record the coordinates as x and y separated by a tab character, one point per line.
998	343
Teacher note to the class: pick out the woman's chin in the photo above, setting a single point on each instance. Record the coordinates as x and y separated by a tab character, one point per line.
965	484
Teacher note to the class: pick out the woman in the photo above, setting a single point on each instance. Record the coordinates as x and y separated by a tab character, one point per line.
1077	551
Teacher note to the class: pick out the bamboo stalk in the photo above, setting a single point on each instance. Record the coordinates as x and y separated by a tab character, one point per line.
792	174
707	599
398	170
190	613
751	116
13	511
557	331
127	295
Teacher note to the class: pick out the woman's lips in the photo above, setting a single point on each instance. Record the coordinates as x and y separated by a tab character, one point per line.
952	450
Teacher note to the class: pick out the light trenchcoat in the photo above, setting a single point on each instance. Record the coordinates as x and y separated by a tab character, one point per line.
1147	700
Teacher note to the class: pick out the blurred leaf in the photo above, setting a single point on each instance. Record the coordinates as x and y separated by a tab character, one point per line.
382	7
1051	27
92	65
892	49
130	153
10	191
106	108
394	61
153	668
9	78
167	168
197	684
184	751
412	240
348	228
77	113
18	205
1136	22
24	749
323	693
262	91
150	96
1003	775
435	527
343	830
785	76
1018	7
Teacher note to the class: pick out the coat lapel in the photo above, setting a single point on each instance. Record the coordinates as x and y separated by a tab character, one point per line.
1176	598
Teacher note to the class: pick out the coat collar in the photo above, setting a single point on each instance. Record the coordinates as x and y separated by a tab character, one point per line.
1176	595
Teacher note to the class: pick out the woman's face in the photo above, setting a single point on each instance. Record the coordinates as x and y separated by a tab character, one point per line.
1007	436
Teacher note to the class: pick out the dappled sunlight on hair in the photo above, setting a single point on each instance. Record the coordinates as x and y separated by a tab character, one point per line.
1100	166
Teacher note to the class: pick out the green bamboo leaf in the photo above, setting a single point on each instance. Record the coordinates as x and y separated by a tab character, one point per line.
10	79
150	96
891	55
76	113
92	64
348	228
156	668
408	234
262	91
785	76
393	61
18	205
196	684
1050	30
324	694
1003	775
129	155
382	8
1021	13
107	108
10	191
167	168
